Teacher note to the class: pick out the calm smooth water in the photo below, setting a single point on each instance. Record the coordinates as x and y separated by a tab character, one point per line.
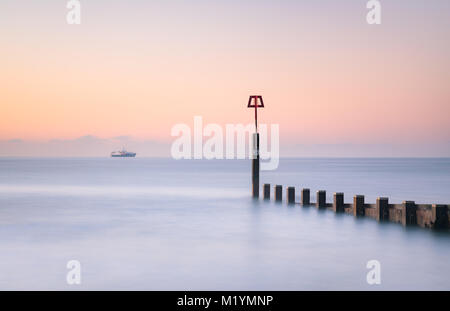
160	224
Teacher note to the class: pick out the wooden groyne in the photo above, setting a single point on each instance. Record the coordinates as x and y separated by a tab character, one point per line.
408	213
435	216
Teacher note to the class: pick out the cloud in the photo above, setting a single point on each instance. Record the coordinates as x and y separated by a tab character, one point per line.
92	146
16	140
122	138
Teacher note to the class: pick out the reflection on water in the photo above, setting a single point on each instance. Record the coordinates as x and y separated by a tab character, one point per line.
191	225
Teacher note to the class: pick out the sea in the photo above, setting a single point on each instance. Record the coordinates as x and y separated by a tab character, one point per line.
164	224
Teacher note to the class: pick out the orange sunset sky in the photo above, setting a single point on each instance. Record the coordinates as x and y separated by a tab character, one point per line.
133	69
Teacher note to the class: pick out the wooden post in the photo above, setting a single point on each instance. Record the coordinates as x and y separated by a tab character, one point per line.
278	193
290	195
266	190
305	196
409	216
255	166
338	202
439	216
321	201
358	205
382	207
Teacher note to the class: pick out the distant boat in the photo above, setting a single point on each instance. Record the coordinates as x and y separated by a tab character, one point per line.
123	154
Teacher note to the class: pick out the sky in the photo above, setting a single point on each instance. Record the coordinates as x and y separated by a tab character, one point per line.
133	69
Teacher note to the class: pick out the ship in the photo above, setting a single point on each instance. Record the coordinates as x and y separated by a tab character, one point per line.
123	154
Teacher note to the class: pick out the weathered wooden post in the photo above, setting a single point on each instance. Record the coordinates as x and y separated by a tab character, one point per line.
266	190
278	193
439	216
382	207
409	216
290	195
358	206
338	202
305	196
321	200
255	101
255	166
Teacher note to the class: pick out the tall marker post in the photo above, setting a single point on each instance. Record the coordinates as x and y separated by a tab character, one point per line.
255	101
